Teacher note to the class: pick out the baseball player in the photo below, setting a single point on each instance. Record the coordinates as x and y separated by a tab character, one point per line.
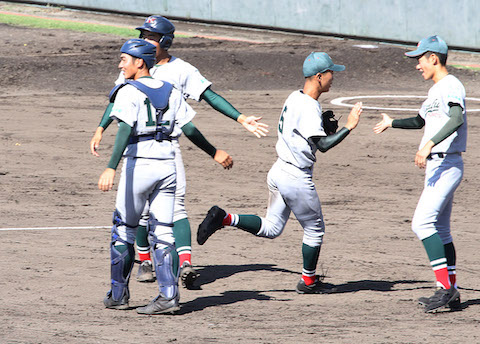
147	110
443	114
186	78
301	132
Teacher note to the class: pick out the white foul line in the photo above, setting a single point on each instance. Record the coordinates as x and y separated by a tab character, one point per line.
340	102
48	228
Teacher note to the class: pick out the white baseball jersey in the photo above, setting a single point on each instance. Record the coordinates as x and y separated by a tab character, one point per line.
301	119
182	75
435	113
133	107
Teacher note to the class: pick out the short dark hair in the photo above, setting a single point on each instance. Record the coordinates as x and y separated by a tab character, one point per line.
441	57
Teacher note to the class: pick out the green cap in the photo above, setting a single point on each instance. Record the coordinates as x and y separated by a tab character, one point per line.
318	63
433	43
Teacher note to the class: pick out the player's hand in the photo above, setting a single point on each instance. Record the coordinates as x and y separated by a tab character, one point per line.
354	116
251	123
383	125
95	142
105	183
224	159
422	154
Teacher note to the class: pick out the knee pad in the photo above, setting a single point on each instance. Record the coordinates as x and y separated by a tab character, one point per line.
118	265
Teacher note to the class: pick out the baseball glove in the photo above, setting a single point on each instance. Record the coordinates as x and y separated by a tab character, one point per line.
329	122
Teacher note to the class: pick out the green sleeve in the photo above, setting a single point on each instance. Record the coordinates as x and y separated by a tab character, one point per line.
220	104
106	120
455	121
409	123
324	143
121	142
198	139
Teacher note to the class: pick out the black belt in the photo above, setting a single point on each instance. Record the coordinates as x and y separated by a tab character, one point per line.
440	155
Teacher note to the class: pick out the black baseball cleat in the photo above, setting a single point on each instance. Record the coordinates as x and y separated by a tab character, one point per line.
318	287
211	223
188	276
443	298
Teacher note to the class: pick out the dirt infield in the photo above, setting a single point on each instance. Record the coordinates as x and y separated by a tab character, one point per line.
53	281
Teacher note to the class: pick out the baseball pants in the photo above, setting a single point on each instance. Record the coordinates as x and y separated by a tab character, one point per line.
179	211
432	215
145	181
291	189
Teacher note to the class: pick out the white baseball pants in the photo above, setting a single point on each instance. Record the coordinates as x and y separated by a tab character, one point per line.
432	215
291	189
142	181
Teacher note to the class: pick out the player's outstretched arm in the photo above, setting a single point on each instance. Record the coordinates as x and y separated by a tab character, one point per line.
354	116
251	123
324	143
197	138
405	123
104	123
383	125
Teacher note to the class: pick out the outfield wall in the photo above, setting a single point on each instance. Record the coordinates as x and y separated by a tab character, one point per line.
457	21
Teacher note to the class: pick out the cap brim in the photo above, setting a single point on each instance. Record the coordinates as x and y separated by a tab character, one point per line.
414	53
338	68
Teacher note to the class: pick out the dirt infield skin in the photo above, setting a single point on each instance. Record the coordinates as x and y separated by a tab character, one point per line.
52	281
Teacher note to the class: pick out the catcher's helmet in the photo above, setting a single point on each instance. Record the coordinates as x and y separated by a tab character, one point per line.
142	49
161	25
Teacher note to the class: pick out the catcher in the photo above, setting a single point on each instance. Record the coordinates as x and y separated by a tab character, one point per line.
302	130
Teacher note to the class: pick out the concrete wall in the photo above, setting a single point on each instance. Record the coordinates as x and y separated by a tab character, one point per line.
456	21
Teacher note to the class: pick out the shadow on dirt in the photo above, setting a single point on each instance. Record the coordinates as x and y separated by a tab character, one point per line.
211	273
226	298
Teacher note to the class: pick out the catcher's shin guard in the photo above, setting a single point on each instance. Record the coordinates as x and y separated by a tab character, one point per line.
121	263
163	257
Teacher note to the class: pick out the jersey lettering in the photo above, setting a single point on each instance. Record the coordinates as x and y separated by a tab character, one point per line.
280	122
150	122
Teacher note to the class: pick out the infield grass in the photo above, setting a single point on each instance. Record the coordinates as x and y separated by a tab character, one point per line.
459	66
46	23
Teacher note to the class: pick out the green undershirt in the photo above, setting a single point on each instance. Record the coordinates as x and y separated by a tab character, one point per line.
409	123
106	120
198	139
324	143
455	121
220	104
121	142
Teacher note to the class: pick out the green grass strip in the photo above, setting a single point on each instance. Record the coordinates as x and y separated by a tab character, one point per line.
477	69
29	21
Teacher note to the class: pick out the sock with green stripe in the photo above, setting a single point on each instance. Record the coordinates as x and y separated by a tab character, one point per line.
143	246
183	240
436	254
310	259
248	223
